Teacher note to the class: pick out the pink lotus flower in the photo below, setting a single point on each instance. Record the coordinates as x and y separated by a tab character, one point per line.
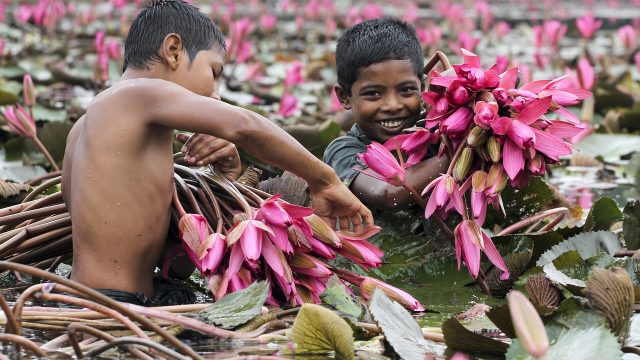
268	22
458	94
384	166
288	105
249	233
28	90
485	14
205	251
312	9
335	102
416	145
19	121
627	35
485	113
585	73
538	36
23	13
528	325
293	75
369	284
587	25
430	35
439	105
501	28
411	12
305	264
458	122
470	239
371	11
445	191
356	247
554	31
113	49
99	42
279	216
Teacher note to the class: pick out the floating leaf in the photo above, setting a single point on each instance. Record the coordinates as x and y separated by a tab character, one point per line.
631	224
588	245
501	318
592	343
41	113
536	243
603	214
611	293
556	276
318	330
617	145
336	295
400	329
236	308
516	263
457	337
7	97
54	137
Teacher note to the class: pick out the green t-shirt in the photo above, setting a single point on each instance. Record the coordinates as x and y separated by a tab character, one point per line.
342	154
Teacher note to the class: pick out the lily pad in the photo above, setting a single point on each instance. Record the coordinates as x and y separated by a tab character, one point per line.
236	308
617	145
501	318
400	329
9	189
631	225
592	343
336	296
458	338
54	137
586	244
318	330
603	214
41	113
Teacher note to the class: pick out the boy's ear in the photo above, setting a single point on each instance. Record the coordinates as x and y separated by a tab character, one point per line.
171	50
343	96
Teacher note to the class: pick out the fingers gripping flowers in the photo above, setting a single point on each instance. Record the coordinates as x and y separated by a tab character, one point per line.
499	134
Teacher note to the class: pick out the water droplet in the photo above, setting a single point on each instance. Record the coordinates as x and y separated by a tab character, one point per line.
117	204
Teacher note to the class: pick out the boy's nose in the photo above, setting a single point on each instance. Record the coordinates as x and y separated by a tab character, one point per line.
392	104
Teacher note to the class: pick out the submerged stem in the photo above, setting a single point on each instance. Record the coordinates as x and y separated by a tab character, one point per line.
46	153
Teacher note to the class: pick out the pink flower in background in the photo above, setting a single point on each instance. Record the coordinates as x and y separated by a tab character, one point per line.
288	105
541	60
293	76
469	240
554	31
384	166
335	102
586	76
465	41
2	45
268	22
245	52
28	90
627	36
113	49
411	13
352	17
588	25
99	42
371	11
485	14
23	13
330	27
538	36
312	9
501	29
502	62
429	35
19	121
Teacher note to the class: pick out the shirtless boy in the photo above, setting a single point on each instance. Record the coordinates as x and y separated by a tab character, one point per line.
117	175
380	71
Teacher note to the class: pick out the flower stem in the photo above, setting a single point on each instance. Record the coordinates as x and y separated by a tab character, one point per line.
46	153
452	164
176	202
435	217
561	211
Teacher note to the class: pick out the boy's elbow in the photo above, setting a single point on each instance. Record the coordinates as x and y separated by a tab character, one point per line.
390	199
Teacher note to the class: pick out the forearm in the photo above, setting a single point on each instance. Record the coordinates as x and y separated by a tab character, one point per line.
382	195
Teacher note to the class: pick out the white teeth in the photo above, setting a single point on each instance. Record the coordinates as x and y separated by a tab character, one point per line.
391	124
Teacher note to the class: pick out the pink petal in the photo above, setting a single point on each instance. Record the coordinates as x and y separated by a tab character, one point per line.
561	97
508	79
513	159
535	86
251	241
470	58
395	142
431	207
494	256
215	253
550	145
272	257
443	80
563	129
501	125
521	134
534	110
567	115
281	239
479	206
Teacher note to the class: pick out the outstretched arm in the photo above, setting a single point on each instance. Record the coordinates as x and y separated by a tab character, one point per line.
203	149
172	106
379	194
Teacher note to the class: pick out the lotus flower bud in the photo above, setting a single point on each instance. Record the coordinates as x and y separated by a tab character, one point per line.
481	151
528	325
28	90
494	149
463	164
239	217
478	181
485	96
368	285
496	179
477	136
458	94
537	165
502	96
530	153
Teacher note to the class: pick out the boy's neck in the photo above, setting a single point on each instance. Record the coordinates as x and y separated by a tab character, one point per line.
153	72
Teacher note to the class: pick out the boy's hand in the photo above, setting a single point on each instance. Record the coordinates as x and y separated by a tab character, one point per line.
336	202
202	149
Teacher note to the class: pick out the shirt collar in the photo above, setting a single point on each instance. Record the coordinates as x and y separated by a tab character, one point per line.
357	133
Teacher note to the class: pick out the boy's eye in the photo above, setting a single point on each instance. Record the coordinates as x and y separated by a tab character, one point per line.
408	90
371	93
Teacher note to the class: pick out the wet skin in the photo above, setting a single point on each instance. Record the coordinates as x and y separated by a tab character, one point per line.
118	169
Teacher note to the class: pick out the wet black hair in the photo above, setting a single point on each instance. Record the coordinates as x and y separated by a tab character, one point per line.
374	41
163	17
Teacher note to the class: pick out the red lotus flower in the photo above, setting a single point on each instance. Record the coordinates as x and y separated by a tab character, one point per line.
368	285
445	191
19	121
384	166
470	239
588	25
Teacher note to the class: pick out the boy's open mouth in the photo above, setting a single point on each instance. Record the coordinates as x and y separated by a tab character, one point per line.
394	124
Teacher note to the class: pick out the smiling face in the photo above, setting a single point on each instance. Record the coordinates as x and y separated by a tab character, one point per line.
385	99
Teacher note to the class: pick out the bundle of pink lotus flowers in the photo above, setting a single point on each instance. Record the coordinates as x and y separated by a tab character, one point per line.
285	244
499	135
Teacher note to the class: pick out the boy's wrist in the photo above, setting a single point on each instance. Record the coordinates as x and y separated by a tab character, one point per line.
323	178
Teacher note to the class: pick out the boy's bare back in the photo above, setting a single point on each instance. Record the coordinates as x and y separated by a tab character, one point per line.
120	169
